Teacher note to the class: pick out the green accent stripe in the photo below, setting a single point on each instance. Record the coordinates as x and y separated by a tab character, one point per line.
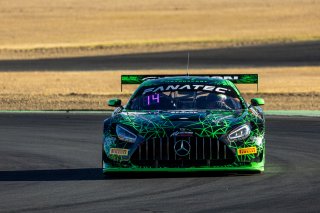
310	113
256	167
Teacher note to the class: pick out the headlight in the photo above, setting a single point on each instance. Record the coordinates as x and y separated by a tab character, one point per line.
125	135
240	132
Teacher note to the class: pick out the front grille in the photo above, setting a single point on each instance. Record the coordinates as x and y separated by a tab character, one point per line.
160	152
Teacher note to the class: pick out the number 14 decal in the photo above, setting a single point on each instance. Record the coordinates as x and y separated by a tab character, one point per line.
153	98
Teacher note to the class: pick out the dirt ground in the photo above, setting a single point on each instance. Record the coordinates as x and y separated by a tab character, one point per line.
283	88
60	28
88	44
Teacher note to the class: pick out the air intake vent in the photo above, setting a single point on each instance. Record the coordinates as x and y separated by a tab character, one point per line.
182	152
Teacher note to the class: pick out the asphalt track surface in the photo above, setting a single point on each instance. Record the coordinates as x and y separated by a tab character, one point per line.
51	163
271	55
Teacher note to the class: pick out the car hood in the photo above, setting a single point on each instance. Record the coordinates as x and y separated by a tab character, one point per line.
166	123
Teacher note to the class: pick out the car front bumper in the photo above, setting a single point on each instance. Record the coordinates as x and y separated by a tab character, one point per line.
253	166
240	163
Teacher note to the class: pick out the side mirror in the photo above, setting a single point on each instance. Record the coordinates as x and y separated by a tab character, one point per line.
257	101
115	102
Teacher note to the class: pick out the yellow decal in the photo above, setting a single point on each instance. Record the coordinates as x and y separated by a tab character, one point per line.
248	150
119	152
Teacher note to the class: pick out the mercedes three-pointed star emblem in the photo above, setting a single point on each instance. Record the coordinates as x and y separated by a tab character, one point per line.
182	148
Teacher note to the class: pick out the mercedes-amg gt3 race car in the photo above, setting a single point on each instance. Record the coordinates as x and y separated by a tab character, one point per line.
185	123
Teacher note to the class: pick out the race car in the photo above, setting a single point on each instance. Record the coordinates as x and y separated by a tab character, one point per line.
185	123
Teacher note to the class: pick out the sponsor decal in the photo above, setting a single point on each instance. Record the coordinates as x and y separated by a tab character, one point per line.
186	87
247	151
119	152
184	112
182	134
225	77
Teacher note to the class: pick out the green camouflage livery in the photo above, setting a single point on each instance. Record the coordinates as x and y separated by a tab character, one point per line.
192	139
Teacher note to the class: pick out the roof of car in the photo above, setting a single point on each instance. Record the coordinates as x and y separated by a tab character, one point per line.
186	80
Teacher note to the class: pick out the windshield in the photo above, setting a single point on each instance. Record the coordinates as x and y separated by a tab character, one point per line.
187	98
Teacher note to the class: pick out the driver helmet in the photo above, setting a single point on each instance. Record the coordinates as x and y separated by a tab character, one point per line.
222	97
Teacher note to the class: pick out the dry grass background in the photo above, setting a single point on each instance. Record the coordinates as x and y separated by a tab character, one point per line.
283	88
63	28
45	28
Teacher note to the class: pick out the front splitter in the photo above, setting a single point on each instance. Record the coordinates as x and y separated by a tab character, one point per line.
259	167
